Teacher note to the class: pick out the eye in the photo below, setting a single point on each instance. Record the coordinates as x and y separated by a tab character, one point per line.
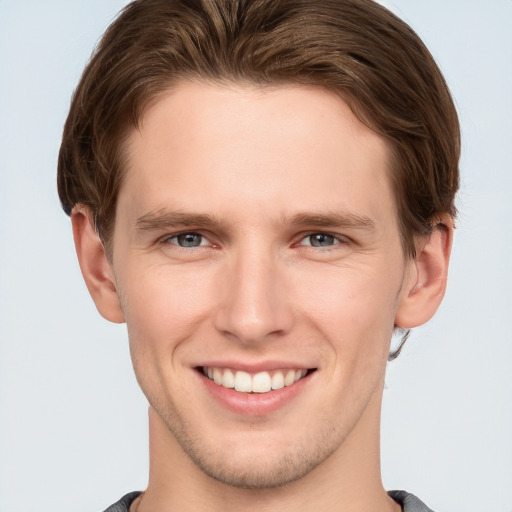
187	240
320	240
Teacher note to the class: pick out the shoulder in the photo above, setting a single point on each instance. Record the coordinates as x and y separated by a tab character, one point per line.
409	502
123	505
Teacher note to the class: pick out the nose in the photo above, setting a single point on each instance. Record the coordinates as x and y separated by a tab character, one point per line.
254	299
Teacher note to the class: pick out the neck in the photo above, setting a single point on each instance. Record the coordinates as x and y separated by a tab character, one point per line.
348	480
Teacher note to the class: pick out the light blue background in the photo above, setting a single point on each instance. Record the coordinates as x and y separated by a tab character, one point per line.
73	430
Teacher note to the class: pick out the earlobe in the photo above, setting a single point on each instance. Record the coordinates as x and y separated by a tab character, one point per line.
425	285
95	267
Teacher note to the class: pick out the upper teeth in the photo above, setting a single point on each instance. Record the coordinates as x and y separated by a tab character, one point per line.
261	382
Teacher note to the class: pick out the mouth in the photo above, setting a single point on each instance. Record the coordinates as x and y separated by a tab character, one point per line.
261	382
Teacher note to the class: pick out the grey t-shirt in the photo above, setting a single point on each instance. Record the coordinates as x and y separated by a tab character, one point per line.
408	502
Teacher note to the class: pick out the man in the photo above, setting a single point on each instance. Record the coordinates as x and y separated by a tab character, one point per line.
263	191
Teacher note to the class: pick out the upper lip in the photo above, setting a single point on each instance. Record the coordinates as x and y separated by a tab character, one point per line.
254	367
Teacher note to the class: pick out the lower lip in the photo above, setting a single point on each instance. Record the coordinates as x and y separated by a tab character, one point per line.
254	404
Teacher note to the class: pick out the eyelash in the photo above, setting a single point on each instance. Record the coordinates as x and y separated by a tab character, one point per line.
167	239
337	239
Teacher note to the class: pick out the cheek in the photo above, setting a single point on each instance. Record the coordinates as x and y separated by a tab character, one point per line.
354	307
355	312
162	315
352	296
163	308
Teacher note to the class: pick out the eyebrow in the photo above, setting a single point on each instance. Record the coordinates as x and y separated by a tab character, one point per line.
334	220
165	218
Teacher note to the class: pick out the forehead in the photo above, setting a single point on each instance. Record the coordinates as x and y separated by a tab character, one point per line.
278	149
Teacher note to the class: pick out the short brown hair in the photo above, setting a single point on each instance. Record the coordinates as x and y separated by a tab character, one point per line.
355	47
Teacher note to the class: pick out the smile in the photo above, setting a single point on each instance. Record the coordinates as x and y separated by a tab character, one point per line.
261	382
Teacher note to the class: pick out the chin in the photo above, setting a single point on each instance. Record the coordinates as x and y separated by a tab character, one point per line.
255	461
257	473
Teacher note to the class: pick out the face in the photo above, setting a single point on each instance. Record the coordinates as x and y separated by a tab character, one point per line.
258	261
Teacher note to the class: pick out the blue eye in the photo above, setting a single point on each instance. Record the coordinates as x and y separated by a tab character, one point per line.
320	240
188	240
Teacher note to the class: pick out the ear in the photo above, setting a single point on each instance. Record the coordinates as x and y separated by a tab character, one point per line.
425	284
94	264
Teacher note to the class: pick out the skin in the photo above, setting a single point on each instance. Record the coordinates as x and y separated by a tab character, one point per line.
259	175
